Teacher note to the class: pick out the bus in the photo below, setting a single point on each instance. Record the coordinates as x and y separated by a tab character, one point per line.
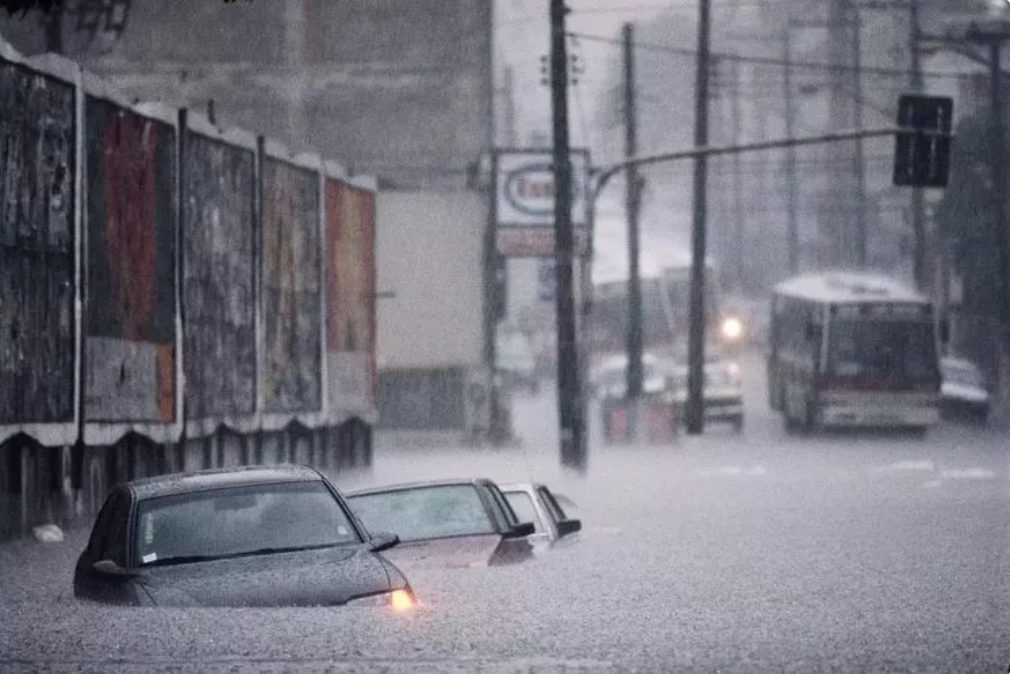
665	307
853	350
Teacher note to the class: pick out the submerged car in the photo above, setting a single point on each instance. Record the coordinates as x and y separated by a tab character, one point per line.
536	503
963	393
452	522
259	537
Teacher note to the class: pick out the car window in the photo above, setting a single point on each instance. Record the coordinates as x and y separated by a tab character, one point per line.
553	507
524	509
425	512
511	519
241	520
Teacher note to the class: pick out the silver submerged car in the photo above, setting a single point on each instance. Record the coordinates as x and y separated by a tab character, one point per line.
534	502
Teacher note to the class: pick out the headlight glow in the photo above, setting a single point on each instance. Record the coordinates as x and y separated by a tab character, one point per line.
399	600
732	329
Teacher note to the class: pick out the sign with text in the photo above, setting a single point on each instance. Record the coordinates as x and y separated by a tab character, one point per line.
524	202
537	241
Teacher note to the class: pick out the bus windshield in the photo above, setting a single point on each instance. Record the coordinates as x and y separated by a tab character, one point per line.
883	352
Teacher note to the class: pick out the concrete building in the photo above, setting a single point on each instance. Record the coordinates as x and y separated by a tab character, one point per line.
396	88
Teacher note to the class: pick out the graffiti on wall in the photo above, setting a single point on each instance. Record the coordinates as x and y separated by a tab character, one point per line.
131	227
350	280
218	234
291	288
37	139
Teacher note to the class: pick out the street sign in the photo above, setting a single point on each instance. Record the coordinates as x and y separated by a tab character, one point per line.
921	159
524	202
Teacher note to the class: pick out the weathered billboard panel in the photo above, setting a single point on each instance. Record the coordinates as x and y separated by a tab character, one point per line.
219	193
37	169
130	359
291	377
350	284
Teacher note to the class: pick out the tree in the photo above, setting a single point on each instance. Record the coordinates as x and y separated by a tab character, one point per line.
964	217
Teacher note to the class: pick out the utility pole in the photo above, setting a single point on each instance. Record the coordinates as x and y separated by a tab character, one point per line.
918	201
632	193
739	277
791	186
999	182
861	228
569	391
695	411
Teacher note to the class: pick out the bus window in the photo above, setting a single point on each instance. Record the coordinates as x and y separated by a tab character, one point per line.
896	351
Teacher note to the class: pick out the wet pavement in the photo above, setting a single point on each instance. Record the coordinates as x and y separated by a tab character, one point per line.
757	552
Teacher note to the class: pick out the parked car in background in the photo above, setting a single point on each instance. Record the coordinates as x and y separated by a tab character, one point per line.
963	393
262	537
464	522
535	503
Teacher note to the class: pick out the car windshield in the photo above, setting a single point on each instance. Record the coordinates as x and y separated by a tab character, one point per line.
524	509
236	521
883	350
425	512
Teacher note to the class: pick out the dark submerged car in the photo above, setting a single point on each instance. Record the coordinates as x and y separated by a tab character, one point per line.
450	522
263	537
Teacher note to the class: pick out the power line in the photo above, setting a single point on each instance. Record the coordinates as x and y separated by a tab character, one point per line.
771	61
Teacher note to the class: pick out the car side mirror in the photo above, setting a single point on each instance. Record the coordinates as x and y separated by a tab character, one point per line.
568	527
521	530
383	541
110	569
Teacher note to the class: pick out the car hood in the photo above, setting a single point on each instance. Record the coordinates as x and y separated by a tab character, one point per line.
325	577
462	551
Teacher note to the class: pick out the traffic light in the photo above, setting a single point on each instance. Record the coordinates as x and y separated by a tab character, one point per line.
921	159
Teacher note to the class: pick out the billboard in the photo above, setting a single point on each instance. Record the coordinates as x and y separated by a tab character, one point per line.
350	283
291	380
130	336
219	230
524	202
37	200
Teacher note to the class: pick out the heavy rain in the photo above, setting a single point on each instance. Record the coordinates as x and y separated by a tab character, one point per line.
504	336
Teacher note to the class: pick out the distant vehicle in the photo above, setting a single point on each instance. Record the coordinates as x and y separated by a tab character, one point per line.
853	350
665	306
261	537
534	502
963	392
667	379
465	522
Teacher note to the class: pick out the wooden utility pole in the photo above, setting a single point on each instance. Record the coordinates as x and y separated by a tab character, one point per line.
918	201
573	453
634	327
739	232
695	412
792	224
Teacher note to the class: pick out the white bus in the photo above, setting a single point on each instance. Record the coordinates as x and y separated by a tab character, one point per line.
853	350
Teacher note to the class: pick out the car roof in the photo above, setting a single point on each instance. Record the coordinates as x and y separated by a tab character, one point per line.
520	486
182	483
403	486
